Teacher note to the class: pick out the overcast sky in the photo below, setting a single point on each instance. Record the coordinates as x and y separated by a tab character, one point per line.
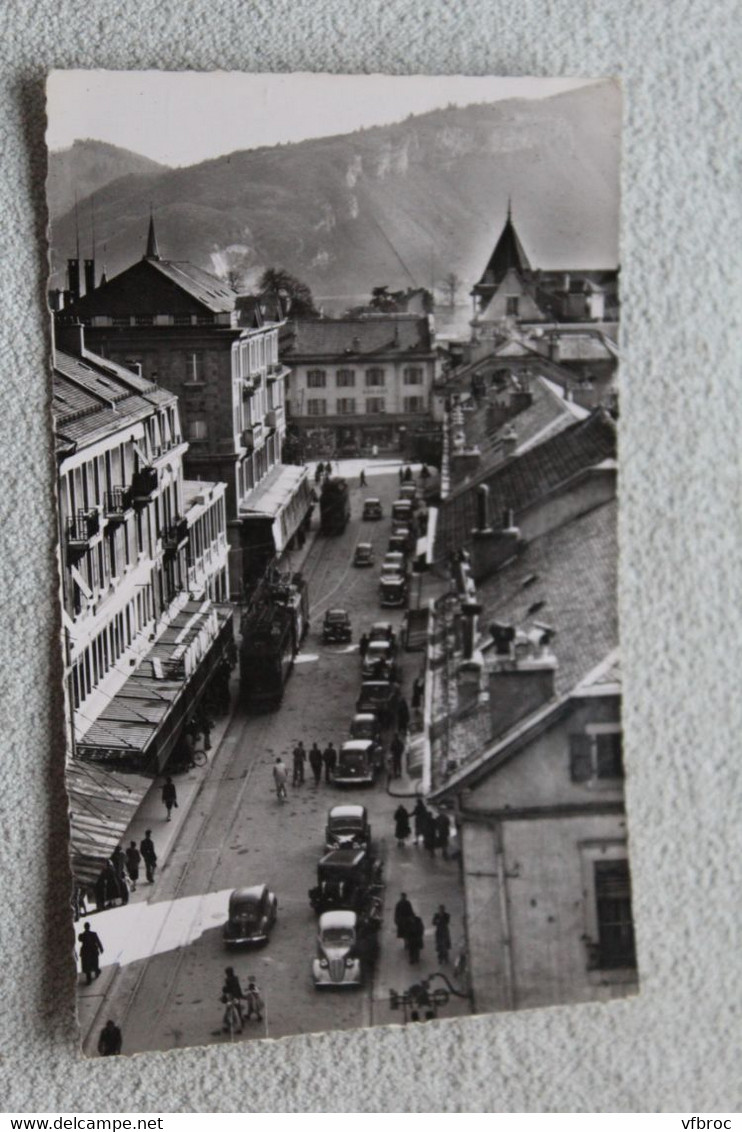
180	118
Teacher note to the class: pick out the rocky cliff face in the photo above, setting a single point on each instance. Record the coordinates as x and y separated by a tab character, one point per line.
397	204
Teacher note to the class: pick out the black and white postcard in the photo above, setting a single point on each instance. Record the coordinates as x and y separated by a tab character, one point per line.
335	409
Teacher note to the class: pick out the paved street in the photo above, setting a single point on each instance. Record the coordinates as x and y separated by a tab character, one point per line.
168	940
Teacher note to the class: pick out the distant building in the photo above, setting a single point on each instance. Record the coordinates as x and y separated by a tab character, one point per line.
360	383
143	560
188	331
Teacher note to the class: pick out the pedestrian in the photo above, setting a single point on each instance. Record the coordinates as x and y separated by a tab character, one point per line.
300	758
418	692
149	856
169	796
79	906
133	861
408	474
374	450
91	949
401	473
420	816
318	472
403	914
315	762
443	830
280	777
396	748
232	996
254	1000
403	715
441	921
363	645
330	758
415	939
401	825
109	1040
362	482
430	833
424	473
115	885
118	861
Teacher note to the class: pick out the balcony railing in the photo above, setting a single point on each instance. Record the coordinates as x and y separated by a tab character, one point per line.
117	502
81	528
175	537
144	485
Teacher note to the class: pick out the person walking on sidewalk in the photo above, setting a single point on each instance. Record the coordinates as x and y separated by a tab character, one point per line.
441	921
401	825
330	758
118	861
91	949
420	816
415	939
300	757
363	645
404	913
253	1000
430	834
443	833
396	748
133	861
362	481
149	856
109	1040
315	761
169	796
280	778
232	997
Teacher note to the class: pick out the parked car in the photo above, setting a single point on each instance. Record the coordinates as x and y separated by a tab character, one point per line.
401	541
378	663
357	763
347	828
338	963
393	558
383	631
336	626
346	878
393	591
365	725
372	509
364	554
402	510
252	916
379	697
409	491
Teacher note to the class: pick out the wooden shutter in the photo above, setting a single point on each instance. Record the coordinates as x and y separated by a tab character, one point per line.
580	758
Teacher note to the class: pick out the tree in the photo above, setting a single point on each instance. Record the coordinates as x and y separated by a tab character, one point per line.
296	295
450	288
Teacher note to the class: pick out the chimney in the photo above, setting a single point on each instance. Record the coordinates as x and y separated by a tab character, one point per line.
89	276
491	548
521	682
70	337
483	509
73	277
510	441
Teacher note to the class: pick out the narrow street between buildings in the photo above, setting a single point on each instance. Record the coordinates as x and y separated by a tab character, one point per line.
164	958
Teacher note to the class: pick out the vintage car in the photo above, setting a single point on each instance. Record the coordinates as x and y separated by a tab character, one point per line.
364	554
338	963
408	491
357	763
380	697
372	509
346	878
402	511
336	626
365	725
392	591
347	828
378	663
252	915
383	631
401	541
393	558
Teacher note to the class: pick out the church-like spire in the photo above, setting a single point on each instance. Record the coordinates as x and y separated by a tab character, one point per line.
152	252
508	255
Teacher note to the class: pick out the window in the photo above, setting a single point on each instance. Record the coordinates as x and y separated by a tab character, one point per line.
316	378
413	375
346	405
181	320
316	407
195	367
346	378
511	305
414	404
375	376
143	320
197	430
122	320
375	405
205	320
615	940
596	754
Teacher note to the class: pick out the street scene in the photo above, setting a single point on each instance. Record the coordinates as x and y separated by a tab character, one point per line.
337	483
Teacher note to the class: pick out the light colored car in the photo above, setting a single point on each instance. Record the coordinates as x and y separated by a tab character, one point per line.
347	828
364	554
337	964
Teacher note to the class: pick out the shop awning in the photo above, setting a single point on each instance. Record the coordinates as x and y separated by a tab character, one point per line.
284	497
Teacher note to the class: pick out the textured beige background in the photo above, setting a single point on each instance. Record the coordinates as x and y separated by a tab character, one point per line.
676	1045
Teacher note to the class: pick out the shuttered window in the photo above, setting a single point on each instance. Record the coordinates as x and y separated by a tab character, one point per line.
609	761
615	925
580	758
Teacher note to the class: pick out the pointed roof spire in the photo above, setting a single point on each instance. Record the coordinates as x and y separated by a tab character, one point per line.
508	254
152	252
510	208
